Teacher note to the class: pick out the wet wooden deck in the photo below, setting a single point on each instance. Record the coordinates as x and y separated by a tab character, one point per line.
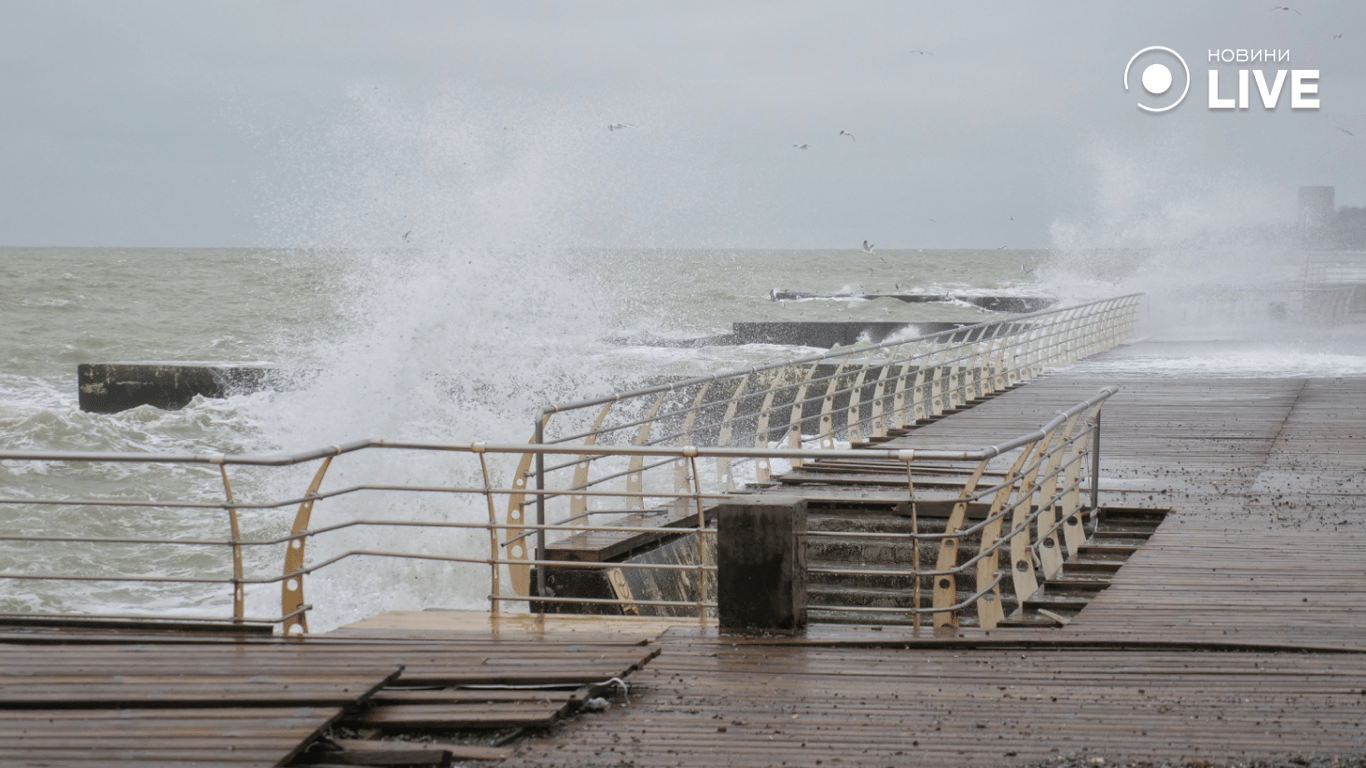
1237	632
85	697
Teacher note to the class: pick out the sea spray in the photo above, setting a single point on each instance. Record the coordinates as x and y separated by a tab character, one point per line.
469	302
1207	246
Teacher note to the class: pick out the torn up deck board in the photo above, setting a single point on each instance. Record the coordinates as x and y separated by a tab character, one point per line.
152	699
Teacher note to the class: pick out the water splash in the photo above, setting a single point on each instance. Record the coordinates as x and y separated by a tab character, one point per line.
466	301
1215	250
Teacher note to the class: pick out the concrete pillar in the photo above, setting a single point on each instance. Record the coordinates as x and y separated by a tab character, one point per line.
761	563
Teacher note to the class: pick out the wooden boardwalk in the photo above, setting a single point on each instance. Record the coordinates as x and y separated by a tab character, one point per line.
95	698
1237	632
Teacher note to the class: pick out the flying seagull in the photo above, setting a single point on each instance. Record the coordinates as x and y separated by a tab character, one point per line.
619	126
867	247
1344	130
801	146
1286	8
1337	36
922	53
405	235
846	133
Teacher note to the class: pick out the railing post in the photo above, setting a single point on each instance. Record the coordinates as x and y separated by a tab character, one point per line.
239	597
495	588
690	452
1095	471
540	510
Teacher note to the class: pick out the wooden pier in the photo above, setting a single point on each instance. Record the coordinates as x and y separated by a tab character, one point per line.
1237	632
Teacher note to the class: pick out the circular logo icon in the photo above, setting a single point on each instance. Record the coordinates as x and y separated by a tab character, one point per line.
1157	76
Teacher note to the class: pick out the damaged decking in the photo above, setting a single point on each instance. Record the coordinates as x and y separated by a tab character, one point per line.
89	697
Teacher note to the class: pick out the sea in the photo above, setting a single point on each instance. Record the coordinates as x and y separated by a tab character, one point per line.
459	344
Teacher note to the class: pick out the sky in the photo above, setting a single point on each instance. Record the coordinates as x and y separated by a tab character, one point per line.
978	124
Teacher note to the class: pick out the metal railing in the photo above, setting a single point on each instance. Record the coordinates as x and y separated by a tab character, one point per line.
1335	267
1036	512
857	393
647	474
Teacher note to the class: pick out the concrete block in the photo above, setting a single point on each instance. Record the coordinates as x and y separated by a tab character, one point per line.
114	387
761	563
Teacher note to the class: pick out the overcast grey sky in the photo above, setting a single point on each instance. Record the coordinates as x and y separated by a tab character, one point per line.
281	123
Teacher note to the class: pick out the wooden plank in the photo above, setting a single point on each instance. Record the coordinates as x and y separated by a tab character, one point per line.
455	751
461	716
599	546
377	752
471	696
448	624
209	702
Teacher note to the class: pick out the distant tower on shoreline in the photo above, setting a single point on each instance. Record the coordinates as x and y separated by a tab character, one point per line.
1316	207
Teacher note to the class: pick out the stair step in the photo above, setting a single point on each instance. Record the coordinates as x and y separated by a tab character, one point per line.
1032	621
1107	532
1070	583
1124	515
1057	603
1107	550
1093	567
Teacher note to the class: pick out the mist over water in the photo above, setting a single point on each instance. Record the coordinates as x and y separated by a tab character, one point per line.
1219	255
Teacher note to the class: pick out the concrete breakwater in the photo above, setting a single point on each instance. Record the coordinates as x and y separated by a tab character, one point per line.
115	387
1013	304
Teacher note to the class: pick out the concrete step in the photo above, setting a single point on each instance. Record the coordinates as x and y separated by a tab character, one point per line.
1086	573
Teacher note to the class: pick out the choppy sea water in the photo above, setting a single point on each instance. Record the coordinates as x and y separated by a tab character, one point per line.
453	345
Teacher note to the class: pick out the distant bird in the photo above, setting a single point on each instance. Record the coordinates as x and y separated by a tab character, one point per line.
867	247
801	146
846	133
1026	269
405	235
619	126
1002	248
1344	130
1337	36
1286	8
922	53
1012	218
933	220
